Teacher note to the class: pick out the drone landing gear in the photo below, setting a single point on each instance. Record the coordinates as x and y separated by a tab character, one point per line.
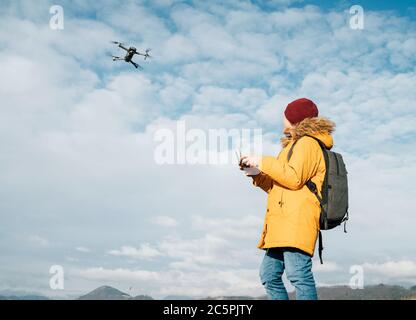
136	65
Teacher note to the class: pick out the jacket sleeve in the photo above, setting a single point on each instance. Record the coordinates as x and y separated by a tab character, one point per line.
263	181
302	165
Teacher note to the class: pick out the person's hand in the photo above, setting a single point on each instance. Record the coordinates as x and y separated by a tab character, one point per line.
251	172
250	161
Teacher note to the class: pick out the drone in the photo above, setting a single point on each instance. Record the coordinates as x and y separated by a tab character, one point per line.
131	51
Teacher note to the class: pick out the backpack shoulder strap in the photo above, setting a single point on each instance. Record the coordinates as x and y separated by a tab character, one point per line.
320	246
289	154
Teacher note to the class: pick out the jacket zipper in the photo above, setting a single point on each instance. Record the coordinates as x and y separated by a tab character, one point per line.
281	198
281	194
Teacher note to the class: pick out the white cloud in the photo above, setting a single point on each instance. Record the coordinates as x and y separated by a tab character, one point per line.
327	266
127	102
207	250
165	221
219	246
71	259
77	132
83	249
162	283
145	251
402	269
284	2
119	274
244	227
39	241
212	99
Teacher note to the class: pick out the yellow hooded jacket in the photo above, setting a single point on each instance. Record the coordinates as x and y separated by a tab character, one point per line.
292	216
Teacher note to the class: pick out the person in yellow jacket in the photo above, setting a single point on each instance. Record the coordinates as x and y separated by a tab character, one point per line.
291	223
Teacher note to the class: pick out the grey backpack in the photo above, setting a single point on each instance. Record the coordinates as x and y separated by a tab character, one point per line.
334	201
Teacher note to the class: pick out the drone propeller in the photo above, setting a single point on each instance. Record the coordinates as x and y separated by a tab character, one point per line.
108	54
147	55
117	43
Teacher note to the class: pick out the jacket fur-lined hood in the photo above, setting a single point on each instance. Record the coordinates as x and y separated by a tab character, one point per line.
319	127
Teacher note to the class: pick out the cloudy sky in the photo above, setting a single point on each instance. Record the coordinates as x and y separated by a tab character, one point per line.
79	185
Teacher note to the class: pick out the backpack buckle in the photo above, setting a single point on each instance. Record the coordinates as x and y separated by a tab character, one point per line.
312	186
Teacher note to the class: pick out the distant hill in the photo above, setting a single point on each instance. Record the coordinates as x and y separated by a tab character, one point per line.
235	298
377	292
142	297
374	292
110	293
105	293
24	297
21	295
178	297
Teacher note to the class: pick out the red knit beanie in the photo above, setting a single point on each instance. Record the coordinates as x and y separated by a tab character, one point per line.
300	109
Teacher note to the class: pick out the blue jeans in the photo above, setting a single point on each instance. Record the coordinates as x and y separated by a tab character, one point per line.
298	267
